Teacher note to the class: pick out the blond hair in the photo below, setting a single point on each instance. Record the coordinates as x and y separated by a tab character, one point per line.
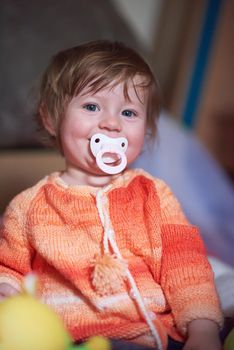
95	65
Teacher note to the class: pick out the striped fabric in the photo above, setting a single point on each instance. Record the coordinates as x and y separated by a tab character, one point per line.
55	230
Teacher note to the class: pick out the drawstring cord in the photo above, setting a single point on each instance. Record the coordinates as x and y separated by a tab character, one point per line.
101	202
109	239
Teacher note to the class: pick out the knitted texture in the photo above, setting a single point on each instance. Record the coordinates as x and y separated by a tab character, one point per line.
55	230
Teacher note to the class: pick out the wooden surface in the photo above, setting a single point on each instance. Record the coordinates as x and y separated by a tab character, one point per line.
22	169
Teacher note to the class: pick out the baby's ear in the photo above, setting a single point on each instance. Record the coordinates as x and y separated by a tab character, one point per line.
46	121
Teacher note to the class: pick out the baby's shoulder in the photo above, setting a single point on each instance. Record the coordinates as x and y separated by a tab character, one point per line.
158	183
23	199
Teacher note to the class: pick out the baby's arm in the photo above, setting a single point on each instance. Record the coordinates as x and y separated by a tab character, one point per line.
187	278
15	249
6	290
203	335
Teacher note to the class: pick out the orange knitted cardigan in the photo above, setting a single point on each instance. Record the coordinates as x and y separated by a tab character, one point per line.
94	250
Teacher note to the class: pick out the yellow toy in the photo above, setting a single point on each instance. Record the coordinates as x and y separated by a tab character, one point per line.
27	324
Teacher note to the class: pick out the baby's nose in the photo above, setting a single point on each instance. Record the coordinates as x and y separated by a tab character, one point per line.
110	122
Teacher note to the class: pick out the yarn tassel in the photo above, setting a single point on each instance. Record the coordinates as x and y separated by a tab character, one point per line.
109	274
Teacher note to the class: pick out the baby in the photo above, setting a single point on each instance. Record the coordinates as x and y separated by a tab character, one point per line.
112	248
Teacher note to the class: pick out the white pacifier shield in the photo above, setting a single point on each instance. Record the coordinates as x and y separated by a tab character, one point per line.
108	150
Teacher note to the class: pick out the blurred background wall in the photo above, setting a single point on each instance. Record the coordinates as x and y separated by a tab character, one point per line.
194	59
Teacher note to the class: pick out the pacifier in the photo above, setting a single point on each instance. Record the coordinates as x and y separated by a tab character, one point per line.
109	150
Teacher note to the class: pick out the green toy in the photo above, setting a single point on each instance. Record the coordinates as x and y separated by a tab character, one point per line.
229	341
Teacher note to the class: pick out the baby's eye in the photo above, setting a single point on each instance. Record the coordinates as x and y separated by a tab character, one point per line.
91	107
128	113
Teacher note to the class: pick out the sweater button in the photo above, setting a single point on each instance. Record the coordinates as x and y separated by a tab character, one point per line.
132	294
152	315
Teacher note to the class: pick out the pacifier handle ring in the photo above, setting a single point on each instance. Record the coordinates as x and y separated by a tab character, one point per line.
112	170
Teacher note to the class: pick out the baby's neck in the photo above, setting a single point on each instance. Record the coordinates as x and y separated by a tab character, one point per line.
73	177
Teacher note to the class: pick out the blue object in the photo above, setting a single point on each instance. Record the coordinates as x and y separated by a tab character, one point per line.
204	47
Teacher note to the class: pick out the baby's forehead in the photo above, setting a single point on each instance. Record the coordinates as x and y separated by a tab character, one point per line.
130	86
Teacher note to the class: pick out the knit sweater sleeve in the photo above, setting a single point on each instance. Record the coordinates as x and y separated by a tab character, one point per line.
15	251
186	275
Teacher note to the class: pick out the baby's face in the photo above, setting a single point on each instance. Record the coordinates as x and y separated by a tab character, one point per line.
107	112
